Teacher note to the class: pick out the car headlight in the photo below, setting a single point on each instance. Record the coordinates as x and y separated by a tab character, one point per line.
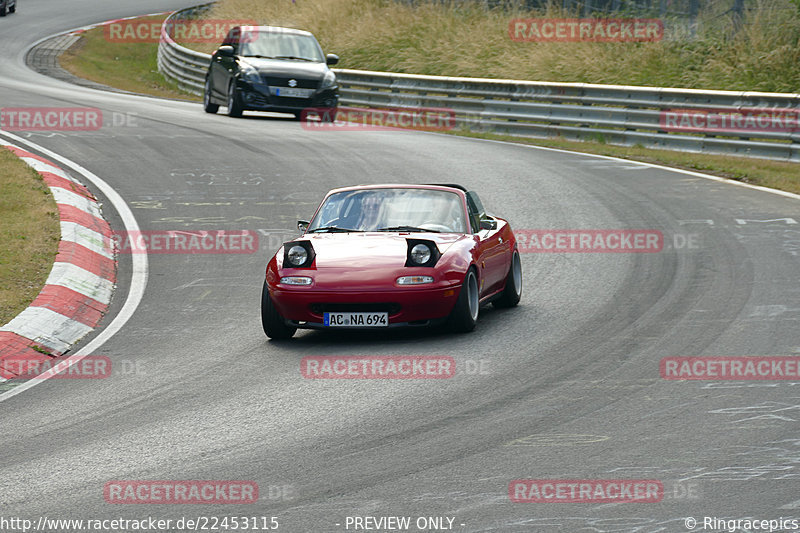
297	255
329	80
250	74
420	254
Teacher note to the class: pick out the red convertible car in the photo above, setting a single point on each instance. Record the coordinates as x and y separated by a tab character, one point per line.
381	256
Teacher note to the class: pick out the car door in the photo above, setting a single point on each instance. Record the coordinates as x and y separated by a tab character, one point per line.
492	248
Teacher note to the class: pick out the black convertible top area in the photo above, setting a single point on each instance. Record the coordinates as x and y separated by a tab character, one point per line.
453	185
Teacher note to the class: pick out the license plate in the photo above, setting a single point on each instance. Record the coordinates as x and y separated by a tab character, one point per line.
292	92
356	320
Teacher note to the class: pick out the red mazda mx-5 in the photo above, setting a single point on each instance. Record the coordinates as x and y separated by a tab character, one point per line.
379	256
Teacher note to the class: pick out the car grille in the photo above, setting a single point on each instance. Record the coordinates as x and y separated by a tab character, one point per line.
290	102
389	307
284	82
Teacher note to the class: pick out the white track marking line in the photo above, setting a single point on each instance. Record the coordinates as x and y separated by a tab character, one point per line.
139	265
793	505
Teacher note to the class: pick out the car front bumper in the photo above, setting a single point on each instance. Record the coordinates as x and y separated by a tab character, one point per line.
406	307
257	97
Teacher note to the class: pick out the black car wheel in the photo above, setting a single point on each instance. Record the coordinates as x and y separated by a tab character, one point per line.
465	313
513	289
234	101
3	10
13	9
207	105
274	324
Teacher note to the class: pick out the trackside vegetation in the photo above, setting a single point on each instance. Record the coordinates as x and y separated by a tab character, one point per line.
29	234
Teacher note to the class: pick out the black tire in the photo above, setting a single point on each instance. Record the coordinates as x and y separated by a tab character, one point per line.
3	10
513	289
274	324
13	9
235	107
208	106
465	313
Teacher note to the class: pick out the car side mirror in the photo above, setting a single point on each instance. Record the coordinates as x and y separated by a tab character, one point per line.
225	51
302	225
488	224
331	59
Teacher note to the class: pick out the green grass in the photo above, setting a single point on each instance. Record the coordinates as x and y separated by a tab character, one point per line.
29	234
127	66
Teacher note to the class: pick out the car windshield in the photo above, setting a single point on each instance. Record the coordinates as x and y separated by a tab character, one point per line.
281	45
392	210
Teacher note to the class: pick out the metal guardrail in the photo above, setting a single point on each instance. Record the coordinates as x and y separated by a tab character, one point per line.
615	114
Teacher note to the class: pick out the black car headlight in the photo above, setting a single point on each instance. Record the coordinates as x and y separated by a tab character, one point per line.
328	81
422	252
250	74
298	254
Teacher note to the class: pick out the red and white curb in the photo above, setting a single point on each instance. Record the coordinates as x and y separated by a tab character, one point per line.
79	287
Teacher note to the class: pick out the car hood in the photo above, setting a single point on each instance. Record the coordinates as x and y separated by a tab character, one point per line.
285	67
370	250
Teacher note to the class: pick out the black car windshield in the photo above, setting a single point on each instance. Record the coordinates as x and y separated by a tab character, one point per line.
281	45
392	210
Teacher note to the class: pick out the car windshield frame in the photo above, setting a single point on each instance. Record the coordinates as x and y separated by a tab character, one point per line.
401	209
281	45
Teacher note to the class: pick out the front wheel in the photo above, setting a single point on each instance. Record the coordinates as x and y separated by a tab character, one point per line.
208	106
465	313
3	10
274	324
235	107
513	289
12	9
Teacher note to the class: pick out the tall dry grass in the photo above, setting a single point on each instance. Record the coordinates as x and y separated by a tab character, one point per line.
465	39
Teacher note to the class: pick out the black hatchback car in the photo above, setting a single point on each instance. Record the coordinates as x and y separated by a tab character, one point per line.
267	68
7	6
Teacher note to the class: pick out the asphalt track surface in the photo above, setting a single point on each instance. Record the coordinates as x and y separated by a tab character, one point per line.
570	386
